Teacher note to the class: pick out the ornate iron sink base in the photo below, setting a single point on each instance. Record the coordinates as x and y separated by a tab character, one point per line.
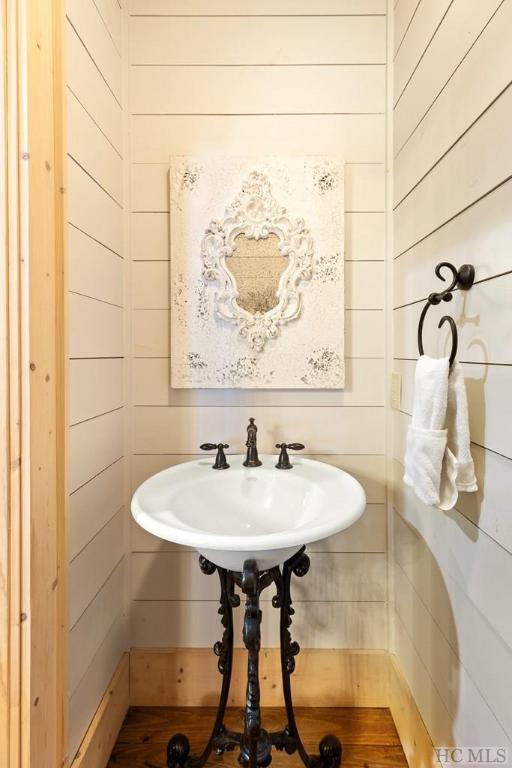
255	743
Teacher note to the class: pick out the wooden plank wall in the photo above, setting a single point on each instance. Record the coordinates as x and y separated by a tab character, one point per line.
270	77
10	402
453	202
98	533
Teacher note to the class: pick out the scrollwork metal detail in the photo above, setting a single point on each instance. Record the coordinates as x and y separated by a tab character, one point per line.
300	567
330	749
227	601
178	748
206	566
225	741
284	741
256	214
255	743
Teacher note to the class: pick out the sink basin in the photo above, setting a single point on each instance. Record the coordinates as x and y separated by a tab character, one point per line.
237	514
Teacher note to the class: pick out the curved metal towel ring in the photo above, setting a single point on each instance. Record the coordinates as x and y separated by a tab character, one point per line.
463	279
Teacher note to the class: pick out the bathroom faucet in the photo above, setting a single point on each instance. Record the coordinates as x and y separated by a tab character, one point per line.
220	459
252	459
284	459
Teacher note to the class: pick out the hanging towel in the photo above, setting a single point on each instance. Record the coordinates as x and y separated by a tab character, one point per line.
458	472
427	434
438	462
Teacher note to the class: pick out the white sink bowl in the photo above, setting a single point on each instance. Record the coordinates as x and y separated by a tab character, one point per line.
236	514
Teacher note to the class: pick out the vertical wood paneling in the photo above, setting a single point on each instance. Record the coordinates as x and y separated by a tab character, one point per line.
243	91
9	511
33	399
453	203
96	329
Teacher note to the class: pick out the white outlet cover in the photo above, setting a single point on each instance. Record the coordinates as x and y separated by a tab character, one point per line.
396	389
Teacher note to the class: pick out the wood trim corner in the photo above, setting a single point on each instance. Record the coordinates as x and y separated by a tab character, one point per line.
415	739
44	370
98	742
33	350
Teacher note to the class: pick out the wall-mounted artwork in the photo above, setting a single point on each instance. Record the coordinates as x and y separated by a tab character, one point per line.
257	289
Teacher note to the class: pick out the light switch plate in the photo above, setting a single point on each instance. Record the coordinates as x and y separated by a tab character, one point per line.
396	389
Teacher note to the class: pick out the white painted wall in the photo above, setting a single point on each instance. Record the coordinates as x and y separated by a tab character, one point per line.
98	541
453	202
260	77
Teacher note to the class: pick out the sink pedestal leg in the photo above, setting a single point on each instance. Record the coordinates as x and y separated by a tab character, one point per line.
255	742
221	739
330	749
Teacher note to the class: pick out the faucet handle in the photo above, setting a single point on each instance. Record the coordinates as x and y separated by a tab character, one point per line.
220	459
295	446
284	460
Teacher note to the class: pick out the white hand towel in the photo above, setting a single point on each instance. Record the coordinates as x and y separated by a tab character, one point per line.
438	462
458	472
427	433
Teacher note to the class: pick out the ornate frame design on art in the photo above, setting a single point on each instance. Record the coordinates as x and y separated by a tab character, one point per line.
256	214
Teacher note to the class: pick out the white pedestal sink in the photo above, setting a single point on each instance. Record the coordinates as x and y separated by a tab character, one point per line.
238	514
251	525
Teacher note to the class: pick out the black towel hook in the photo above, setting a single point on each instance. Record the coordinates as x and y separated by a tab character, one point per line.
462	278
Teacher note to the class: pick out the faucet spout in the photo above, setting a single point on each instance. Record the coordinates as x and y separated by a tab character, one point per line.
252	459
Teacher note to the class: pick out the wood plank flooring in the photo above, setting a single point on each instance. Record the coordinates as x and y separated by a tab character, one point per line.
368	735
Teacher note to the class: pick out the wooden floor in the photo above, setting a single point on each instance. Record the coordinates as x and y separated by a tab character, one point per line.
368	736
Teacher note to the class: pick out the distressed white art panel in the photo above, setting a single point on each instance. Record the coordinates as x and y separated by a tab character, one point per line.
257	288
